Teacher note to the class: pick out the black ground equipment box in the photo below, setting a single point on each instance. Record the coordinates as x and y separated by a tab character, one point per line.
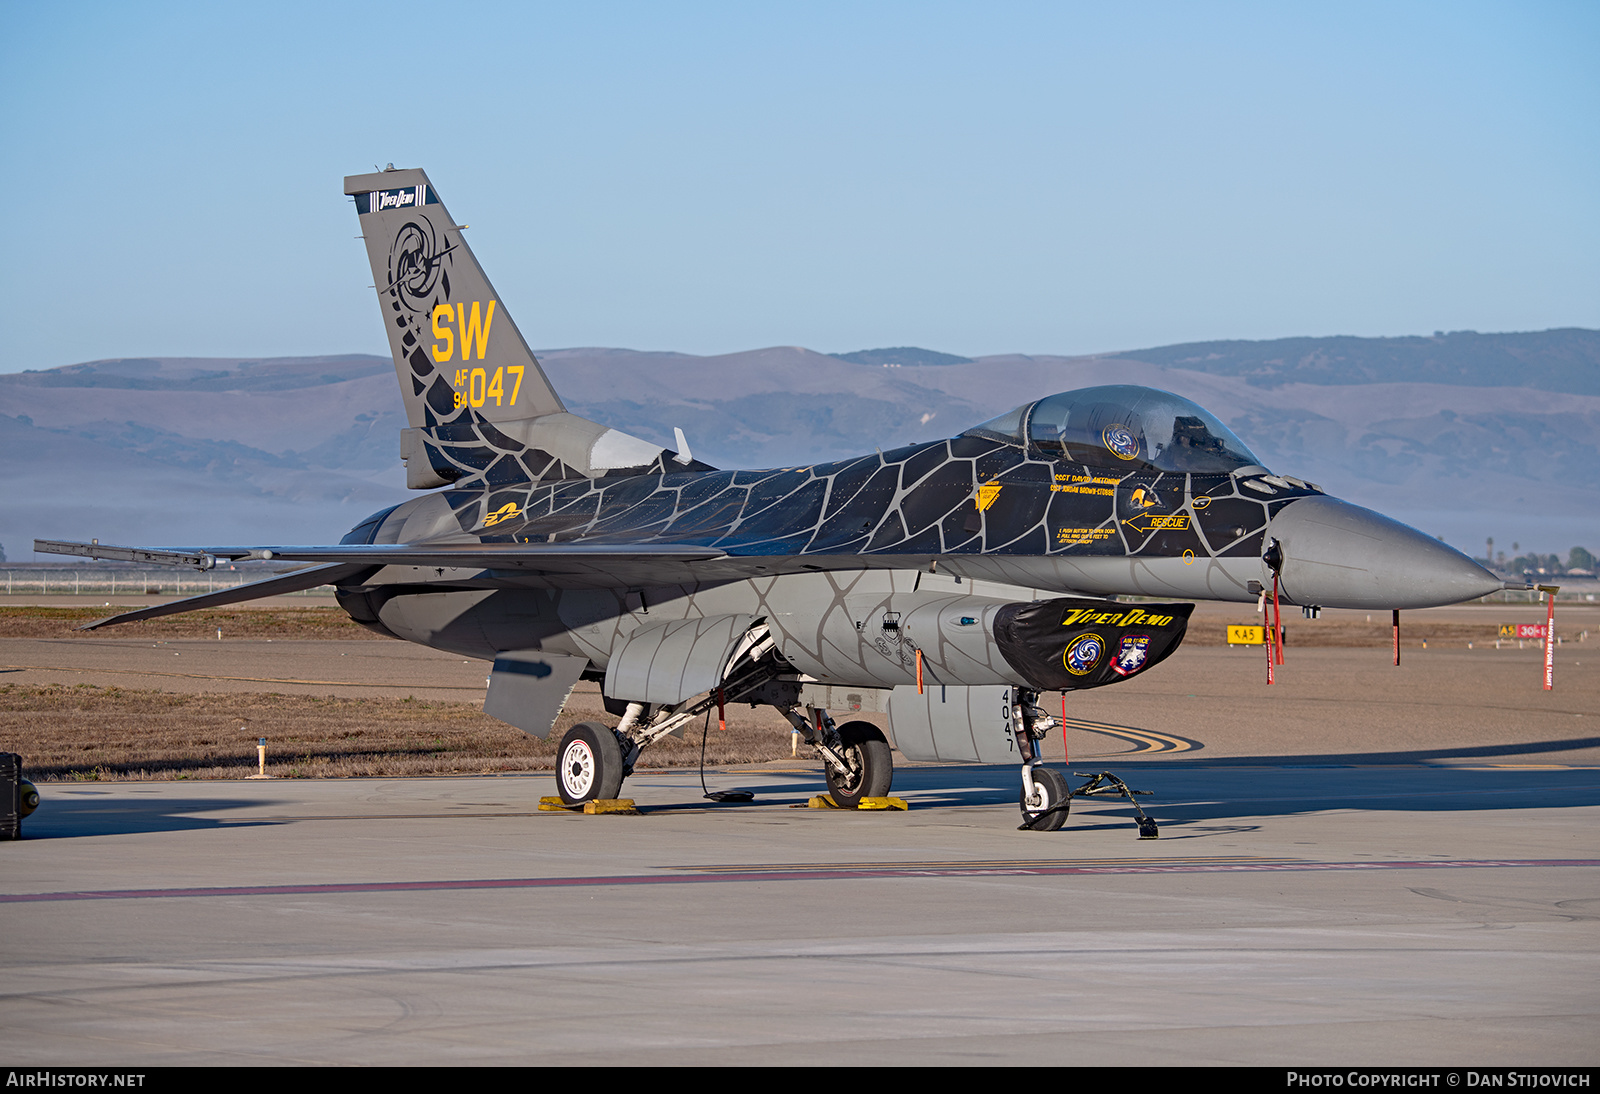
12	786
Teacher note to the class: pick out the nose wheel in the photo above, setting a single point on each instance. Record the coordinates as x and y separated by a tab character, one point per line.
1045	800
1039	815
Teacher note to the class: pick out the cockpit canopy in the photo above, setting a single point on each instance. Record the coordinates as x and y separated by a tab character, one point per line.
1120	425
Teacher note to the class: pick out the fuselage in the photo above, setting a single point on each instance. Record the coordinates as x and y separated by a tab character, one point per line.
950	529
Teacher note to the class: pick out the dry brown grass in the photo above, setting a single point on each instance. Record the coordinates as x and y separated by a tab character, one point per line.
241	622
93	733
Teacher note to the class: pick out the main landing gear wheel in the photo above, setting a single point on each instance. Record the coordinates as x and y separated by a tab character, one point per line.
1045	810
589	764
867	751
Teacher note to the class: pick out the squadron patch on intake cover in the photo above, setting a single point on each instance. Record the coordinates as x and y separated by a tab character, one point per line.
1131	654
1083	654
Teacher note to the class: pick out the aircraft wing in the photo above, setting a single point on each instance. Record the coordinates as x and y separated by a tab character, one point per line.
354	561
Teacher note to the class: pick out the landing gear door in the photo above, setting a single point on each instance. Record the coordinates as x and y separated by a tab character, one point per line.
950	724
669	662
527	689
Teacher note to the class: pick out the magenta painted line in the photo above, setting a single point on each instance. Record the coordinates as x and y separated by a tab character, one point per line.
842	873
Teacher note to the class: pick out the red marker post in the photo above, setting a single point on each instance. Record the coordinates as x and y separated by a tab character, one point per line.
1550	636
1277	620
1266	634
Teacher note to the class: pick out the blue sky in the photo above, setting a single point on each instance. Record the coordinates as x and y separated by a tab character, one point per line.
993	178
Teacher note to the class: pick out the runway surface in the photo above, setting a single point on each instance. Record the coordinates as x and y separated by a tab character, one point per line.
1360	865
1289	914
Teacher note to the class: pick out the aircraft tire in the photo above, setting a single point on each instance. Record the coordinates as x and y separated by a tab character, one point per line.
1052	788
588	764
864	743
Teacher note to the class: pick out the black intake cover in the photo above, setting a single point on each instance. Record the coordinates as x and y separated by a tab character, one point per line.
1075	642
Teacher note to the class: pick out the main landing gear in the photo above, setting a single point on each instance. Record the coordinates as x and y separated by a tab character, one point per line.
589	764
856	760
868	769
594	759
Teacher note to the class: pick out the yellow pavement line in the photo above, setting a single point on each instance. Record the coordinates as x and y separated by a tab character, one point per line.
1149	739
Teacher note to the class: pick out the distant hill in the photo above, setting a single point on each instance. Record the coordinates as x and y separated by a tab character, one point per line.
1551	360
205	374
198	451
238	450
901	355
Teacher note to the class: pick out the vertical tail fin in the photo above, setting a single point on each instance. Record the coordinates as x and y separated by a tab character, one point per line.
477	401
455	346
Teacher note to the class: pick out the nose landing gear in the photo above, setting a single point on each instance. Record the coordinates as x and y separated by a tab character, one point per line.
1045	799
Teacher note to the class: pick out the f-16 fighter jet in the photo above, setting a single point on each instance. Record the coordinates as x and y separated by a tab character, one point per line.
944	584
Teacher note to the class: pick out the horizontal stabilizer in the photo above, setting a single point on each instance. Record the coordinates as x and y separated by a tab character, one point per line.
296	582
544	557
198	559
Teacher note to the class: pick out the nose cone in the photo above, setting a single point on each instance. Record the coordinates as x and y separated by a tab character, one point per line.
1343	556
